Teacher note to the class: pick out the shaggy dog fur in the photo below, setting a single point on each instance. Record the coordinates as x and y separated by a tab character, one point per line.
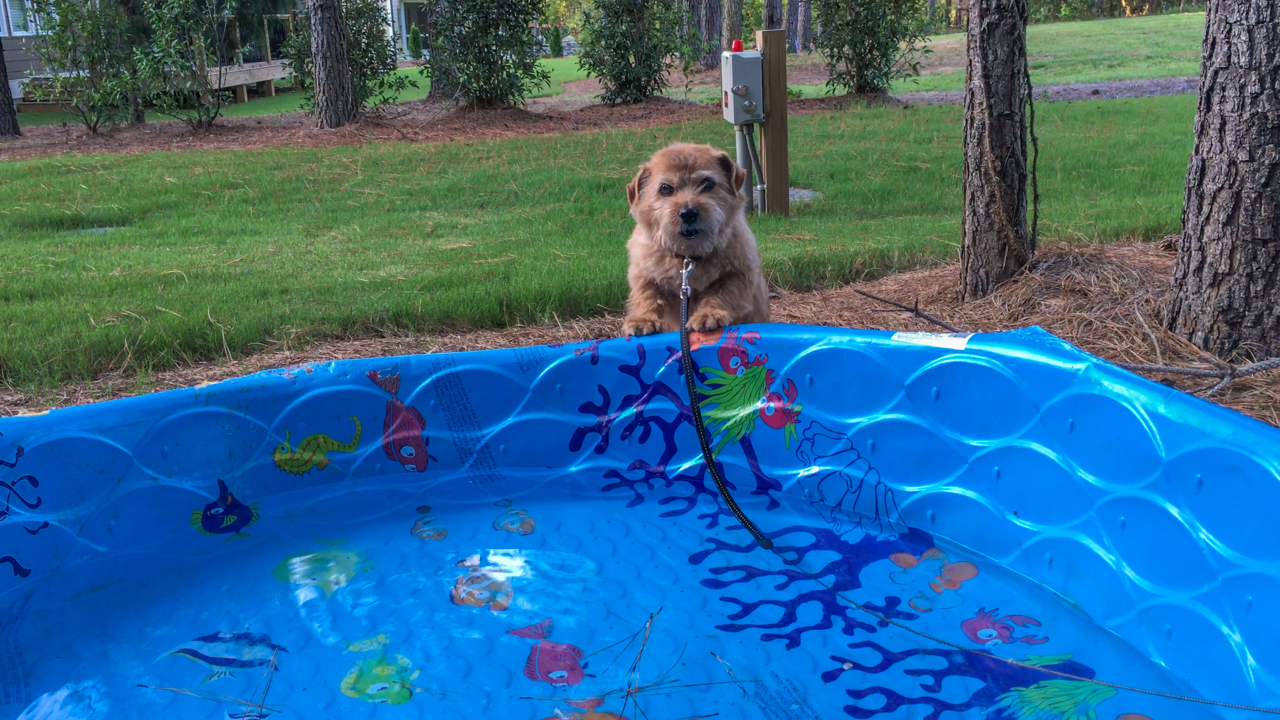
688	201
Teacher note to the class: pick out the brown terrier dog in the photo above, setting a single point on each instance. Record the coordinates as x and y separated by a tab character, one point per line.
688	202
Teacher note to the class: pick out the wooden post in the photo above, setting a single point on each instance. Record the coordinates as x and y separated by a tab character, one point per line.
267	88
242	94
773	133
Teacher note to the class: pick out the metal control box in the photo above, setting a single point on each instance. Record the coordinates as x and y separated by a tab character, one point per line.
742	87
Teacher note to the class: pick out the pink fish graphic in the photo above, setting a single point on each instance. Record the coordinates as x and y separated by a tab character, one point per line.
403	429
550	662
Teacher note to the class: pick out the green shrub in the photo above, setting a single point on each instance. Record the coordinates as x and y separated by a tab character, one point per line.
88	49
192	45
630	45
371	53
485	52
868	44
555	41
415	43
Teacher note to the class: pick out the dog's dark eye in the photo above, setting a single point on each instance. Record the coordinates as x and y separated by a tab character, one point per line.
708	185
665	189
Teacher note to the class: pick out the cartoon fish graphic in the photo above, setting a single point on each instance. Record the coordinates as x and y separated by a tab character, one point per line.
428	527
226	652
586	710
381	680
224	515
482	586
935	571
311	452
550	662
513	520
985	629
404	429
369	644
325	569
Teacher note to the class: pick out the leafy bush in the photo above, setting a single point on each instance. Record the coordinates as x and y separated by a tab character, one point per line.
485	51
870	43
630	45
371	53
88	48
415	43
186	61
555	41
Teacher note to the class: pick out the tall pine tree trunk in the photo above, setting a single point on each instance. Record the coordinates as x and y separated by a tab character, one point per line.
772	14
793	26
806	25
711	28
8	111
996	242
335	102
731	22
1225	296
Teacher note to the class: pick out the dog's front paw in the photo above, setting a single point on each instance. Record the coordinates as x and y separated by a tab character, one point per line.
708	318
641	325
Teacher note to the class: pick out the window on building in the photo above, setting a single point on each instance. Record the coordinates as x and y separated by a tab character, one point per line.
20	20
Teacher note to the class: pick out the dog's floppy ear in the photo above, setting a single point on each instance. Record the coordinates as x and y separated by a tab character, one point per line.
635	187
733	172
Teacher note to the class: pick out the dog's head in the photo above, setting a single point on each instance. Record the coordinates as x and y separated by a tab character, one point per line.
685	195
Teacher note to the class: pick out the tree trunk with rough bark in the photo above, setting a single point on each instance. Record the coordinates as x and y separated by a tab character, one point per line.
335	102
711	28
1225	296
773	14
996	242
806	25
730	22
8	111
793	26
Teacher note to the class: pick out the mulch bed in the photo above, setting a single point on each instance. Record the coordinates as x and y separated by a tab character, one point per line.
1105	299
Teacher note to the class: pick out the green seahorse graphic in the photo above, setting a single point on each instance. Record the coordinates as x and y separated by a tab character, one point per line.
310	453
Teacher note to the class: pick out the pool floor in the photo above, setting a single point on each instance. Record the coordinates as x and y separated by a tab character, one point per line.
559	601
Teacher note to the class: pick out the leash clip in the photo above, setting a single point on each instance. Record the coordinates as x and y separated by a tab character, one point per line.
684	277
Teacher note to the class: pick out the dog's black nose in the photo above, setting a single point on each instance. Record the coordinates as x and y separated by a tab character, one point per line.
689	215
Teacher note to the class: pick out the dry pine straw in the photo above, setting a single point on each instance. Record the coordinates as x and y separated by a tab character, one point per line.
1105	299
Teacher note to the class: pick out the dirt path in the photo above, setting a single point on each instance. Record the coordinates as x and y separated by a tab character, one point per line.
1106	299
1076	92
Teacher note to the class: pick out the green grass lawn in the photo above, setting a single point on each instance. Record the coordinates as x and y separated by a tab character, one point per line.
147	261
1136	48
562	70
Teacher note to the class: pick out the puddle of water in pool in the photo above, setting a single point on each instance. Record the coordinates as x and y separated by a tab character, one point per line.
567	604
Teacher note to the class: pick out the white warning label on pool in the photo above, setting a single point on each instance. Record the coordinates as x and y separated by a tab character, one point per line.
951	341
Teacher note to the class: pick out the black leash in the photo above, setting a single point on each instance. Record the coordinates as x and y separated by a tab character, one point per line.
692	384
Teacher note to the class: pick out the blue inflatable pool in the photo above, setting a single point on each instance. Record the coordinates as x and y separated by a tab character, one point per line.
988	526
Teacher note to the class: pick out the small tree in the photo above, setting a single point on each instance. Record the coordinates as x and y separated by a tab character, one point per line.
86	47
415	43
555	41
184	67
485	51
869	43
630	45
371	55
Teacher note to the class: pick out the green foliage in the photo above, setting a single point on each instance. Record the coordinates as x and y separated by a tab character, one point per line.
186	61
415	43
371	53
555	41
88	48
485	52
752	20
868	44
630	45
